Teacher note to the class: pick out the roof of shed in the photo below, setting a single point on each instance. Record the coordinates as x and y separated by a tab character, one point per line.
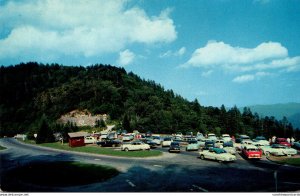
77	134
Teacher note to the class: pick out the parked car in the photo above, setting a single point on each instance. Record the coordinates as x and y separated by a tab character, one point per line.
151	143
219	143
251	152
217	154
209	144
177	139
226	137
228	147
127	137
109	143
297	145
212	136
157	139
135	145
261	141
203	141
89	140
242	138
199	136
278	150
282	141
166	142
239	146
193	145
174	147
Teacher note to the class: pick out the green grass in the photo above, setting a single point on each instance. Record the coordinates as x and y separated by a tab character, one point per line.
289	161
2	148
101	150
55	174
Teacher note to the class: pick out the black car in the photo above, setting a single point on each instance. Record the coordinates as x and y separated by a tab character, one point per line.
208	145
151	143
174	147
109	143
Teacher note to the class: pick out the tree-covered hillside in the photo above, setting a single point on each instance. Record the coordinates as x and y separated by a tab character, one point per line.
31	91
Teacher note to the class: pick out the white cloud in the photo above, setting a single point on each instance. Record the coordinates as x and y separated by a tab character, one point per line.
219	53
244	78
207	73
169	53
265	58
85	28
126	57
250	77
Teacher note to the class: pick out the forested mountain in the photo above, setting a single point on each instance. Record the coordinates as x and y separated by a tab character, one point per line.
32	91
290	110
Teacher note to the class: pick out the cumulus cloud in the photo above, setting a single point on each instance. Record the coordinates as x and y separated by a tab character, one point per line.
126	57
263	58
219	53
169	53
83	28
250	77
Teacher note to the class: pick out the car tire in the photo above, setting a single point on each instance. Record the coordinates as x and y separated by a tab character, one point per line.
202	157
126	149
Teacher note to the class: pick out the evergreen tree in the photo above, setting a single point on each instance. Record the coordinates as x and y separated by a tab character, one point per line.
44	134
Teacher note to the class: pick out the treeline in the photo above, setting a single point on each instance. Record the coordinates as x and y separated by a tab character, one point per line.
30	91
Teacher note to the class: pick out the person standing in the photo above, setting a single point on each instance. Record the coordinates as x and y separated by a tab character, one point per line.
292	141
288	140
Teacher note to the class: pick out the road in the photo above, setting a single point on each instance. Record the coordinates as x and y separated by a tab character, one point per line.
171	172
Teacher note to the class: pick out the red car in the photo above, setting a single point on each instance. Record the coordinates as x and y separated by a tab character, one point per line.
282	141
251	152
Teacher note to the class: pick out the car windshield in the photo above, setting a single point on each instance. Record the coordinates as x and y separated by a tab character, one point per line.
252	150
260	138
174	144
167	139
193	142
228	144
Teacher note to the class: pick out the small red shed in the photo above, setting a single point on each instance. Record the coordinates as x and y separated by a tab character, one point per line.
76	139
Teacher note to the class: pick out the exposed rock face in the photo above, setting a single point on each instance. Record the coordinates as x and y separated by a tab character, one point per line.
81	118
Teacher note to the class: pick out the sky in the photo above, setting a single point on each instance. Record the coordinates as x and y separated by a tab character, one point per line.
231	52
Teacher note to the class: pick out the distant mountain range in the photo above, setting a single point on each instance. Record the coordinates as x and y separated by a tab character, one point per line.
290	110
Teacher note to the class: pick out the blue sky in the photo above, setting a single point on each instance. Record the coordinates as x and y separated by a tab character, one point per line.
229	52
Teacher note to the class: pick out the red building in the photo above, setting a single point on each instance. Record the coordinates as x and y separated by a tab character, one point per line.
76	139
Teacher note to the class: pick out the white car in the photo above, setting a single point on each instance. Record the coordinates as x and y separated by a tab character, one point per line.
136	145
128	137
219	143
278	150
212	136
89	140
226	137
260	141
239	146
166	142
217	154
156	139
228	147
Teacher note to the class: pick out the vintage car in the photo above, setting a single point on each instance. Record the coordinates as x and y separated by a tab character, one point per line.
296	145
261	141
193	145
217	154
228	147
135	145
282	141
151	143
239	146
203	141
251	152
109	143
226	137
128	137
166	142
174	147
157	139
278	150
212	136
89	140
219	143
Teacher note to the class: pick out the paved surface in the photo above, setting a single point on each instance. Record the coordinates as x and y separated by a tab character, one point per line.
182	172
